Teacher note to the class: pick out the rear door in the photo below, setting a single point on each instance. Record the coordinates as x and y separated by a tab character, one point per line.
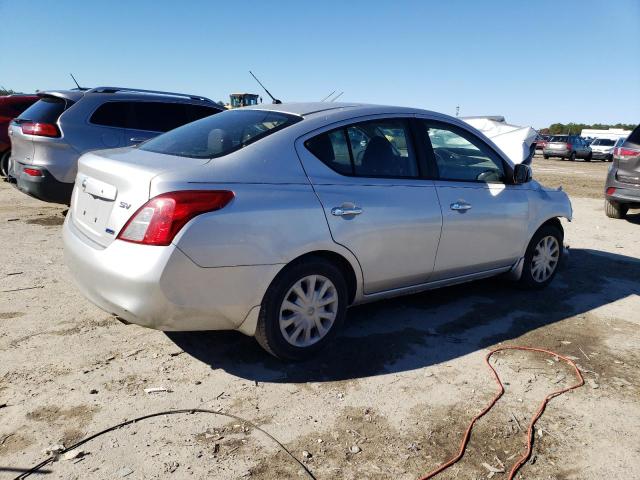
485	218
367	178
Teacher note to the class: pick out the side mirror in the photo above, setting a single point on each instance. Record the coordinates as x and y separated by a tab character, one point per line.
521	174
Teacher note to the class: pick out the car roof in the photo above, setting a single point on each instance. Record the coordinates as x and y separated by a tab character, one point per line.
133	93
329	109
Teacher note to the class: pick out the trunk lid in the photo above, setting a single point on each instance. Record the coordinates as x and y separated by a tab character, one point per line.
112	185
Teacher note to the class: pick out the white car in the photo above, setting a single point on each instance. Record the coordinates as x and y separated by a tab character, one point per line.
602	149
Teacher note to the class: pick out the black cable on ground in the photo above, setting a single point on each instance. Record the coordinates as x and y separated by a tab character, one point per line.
158	414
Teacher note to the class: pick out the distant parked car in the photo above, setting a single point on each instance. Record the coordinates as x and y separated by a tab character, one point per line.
622	188
541	142
567	146
272	220
602	149
49	136
10	107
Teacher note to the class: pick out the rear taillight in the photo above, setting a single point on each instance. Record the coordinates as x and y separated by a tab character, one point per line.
569	146
159	220
32	172
40	129
611	190
626	152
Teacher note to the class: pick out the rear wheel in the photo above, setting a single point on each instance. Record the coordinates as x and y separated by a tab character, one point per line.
588	157
546	157
542	258
572	157
4	163
302	310
615	209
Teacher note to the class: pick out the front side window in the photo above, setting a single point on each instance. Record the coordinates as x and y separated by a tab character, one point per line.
379	148
219	134
461	157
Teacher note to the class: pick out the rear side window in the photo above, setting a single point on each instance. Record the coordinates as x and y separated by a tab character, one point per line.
111	114
379	148
220	134
157	116
45	110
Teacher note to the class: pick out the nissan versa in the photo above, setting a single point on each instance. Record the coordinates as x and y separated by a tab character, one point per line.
272	220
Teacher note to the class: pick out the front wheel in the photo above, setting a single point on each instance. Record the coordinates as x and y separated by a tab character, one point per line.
542	258
302	310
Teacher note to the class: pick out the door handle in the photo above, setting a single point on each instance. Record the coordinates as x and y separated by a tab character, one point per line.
460	206
137	139
345	211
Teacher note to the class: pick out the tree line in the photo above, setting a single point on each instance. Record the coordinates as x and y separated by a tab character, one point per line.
558	128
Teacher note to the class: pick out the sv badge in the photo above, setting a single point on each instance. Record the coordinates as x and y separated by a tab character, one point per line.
125	205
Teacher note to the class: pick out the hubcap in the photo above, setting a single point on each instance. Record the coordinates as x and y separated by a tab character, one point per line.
545	258
308	310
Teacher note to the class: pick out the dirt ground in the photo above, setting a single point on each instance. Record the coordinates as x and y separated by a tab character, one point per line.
389	400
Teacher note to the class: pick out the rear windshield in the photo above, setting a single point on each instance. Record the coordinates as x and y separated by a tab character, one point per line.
559	138
635	136
605	142
220	134
45	110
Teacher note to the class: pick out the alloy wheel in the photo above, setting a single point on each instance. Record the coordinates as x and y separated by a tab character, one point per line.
308	310
545	258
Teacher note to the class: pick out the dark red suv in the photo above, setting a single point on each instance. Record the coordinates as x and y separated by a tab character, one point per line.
10	107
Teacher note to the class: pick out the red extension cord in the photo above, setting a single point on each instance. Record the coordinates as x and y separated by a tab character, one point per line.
527	454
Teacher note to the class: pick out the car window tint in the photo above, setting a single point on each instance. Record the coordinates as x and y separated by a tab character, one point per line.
45	110
111	114
333	150
382	149
461	157
196	112
157	116
220	134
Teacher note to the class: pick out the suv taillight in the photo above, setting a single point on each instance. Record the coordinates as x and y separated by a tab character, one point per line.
625	153
40	129
159	220
569	146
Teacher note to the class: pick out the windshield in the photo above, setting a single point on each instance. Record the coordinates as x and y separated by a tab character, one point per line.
219	134
605	142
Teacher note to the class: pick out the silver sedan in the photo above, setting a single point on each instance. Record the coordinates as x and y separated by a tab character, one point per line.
272	220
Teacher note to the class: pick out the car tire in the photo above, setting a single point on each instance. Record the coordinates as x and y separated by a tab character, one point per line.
546	157
542	258
615	209
589	157
609	158
572	157
277	324
4	163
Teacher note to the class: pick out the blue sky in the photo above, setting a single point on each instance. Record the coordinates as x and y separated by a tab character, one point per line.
535	62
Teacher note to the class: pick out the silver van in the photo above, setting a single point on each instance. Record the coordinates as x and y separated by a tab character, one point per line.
48	138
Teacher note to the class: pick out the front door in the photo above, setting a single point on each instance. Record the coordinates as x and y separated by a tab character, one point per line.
485	217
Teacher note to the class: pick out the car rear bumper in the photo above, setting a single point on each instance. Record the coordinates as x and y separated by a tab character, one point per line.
160	287
552	152
43	187
626	195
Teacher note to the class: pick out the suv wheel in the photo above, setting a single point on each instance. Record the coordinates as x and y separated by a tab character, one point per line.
615	209
572	157
546	157
302	310
542	258
4	163
588	157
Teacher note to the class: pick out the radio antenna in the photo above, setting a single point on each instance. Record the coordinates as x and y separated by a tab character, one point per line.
274	99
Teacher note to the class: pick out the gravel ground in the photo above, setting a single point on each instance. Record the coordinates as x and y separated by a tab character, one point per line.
390	399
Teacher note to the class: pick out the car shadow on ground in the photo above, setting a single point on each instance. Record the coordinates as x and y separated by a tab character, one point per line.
633	217
424	329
